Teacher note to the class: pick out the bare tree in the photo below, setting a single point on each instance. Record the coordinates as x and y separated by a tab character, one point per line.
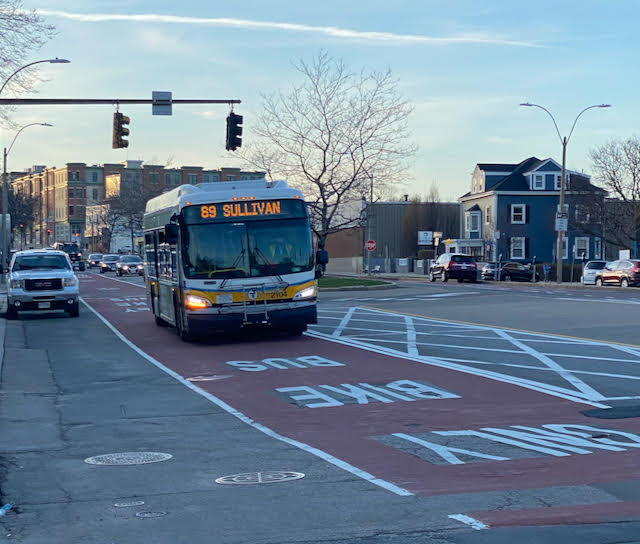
126	207
428	213
617	168
331	135
22	31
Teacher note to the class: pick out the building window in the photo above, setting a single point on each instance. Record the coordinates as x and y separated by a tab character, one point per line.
566	183
94	194
472	223
193	179
581	246
78	192
487	215
231	178
597	248
70	210
94	176
154	178
517	248
565	248
71	192
518	214
538	182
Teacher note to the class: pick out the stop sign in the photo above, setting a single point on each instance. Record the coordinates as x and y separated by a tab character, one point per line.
370	245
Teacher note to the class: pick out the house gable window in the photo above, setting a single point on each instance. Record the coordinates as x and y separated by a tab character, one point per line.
517	248
487	215
538	182
518	214
557	182
582	214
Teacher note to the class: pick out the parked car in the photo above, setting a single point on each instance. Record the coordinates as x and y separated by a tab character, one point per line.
623	272
42	280
517	272
454	266
590	272
108	263
94	260
130	264
488	270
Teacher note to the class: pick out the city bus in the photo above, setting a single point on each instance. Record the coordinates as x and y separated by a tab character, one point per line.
222	256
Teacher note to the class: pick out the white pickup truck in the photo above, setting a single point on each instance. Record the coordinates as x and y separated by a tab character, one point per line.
42	280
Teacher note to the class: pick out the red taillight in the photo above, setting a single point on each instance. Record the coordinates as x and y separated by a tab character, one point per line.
636	269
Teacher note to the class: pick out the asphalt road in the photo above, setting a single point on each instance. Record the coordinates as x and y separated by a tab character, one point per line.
424	413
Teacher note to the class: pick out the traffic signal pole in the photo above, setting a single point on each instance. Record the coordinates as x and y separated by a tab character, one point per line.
114	101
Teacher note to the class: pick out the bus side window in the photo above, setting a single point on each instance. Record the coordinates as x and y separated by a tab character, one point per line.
174	264
150	253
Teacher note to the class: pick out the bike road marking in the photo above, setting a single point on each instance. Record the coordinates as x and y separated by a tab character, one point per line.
245	419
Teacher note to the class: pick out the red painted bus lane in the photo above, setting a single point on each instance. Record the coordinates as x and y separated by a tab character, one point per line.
426	429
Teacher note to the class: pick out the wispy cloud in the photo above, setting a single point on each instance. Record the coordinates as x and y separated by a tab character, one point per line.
332	31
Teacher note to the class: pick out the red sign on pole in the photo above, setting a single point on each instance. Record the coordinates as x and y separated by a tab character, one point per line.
370	245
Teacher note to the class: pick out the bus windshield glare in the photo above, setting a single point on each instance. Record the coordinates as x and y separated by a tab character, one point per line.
251	249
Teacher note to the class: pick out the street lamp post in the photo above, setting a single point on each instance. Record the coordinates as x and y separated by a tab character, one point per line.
564	141
5	194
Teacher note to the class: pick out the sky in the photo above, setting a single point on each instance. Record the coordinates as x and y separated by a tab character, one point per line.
464	65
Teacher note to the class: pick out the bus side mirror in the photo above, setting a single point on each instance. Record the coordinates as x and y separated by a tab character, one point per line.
171	233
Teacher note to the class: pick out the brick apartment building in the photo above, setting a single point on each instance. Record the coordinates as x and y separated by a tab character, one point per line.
62	194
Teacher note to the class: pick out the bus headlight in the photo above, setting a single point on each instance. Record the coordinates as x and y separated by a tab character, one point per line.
193	302
307	292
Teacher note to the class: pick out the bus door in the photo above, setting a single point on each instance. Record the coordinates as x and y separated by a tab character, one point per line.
167	279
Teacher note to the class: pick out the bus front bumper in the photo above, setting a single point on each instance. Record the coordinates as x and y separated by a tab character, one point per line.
285	318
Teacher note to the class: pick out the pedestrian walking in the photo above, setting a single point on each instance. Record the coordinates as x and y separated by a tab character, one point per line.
547	272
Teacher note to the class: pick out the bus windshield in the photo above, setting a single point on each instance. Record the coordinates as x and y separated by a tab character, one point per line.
242	250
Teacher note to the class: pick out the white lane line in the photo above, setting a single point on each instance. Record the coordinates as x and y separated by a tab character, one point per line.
345	320
468	520
581	386
542	368
548	389
245	419
412	349
575	356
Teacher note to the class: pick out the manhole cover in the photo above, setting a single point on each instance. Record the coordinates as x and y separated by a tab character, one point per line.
128	458
127	504
150	514
269	477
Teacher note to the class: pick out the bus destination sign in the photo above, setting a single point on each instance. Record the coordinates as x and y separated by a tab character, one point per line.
250	209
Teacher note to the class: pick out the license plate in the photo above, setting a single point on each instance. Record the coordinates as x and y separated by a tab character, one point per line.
44	305
224	299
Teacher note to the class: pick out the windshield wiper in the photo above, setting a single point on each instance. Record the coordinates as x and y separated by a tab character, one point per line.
233	267
268	263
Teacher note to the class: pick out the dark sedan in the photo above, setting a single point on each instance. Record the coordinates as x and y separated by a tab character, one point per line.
108	263
130	264
510	271
94	260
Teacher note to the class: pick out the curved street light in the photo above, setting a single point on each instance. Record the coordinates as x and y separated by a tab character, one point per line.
5	193
51	61
5	190
564	141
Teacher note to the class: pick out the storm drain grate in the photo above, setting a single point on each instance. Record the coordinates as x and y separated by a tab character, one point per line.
150	514
128	504
268	477
128	458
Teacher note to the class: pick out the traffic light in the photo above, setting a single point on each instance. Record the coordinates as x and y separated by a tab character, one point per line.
119	130
234	131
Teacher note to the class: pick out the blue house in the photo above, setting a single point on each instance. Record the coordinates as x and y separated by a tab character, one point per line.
510	212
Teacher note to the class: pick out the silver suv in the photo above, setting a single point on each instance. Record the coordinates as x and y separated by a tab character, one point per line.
41	280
